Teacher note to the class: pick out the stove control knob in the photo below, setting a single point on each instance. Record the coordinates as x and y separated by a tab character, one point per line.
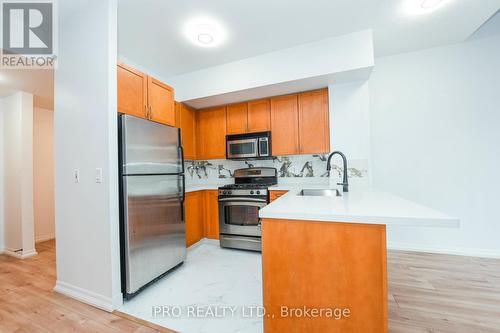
251	192
258	192
224	192
229	192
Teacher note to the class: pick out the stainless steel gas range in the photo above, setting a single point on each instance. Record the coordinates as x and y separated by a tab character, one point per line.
239	205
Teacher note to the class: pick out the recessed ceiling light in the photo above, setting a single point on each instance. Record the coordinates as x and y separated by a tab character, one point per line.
205	32
420	7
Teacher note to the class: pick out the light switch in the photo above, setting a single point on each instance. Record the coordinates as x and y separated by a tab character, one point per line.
76	175
98	175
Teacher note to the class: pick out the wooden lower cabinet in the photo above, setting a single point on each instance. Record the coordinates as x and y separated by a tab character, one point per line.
323	265
273	195
201	216
194	217
211	214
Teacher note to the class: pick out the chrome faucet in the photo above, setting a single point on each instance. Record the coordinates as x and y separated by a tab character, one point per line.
345	182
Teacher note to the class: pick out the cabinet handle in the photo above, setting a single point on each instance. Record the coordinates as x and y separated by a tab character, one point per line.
149	113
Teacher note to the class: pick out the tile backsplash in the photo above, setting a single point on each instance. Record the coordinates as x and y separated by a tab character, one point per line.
295	166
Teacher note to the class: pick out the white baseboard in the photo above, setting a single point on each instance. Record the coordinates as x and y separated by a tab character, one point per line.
467	252
44	238
20	254
89	297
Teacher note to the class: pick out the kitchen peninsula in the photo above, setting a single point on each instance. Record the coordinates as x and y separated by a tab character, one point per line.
329	252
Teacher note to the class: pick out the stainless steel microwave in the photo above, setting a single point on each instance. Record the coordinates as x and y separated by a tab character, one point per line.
251	145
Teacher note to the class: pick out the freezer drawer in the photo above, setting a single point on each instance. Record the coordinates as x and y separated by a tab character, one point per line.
154	230
148	147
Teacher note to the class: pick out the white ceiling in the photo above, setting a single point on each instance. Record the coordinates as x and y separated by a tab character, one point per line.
150	32
40	83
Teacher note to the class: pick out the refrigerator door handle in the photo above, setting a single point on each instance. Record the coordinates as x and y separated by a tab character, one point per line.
181	149
183	198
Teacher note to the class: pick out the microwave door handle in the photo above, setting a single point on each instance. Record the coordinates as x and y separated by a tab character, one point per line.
260	146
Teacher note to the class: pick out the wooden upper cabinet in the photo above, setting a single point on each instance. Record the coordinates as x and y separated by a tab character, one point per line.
186	121
236	121
211	133
284	125
132	91
161	102
259	116
314	130
143	96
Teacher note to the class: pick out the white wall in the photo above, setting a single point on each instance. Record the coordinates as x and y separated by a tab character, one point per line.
85	138
263	75
349	106
434	136
17	133
43	174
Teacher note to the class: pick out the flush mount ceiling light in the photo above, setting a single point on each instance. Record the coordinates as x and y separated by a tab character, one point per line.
205	32
419	7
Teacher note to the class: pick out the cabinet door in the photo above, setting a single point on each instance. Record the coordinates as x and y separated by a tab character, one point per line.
194	217
314	129
273	195
236	122
211	133
132	91
211	214
187	124
161	102
259	116
284	125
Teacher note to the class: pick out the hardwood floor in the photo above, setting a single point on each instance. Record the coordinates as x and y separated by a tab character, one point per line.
28	304
428	293
443	294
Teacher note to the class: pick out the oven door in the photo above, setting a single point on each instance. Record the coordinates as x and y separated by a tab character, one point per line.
243	148
240	216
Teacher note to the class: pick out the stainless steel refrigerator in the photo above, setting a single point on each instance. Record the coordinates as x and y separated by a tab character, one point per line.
152	227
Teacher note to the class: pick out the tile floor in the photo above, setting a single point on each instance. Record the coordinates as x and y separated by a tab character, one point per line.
193	298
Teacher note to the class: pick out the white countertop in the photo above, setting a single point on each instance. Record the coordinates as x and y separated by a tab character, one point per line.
201	187
357	206
283	185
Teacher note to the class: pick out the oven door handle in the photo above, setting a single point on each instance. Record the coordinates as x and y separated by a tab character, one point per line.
242	199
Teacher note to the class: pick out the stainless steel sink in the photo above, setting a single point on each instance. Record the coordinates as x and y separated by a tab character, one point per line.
320	193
